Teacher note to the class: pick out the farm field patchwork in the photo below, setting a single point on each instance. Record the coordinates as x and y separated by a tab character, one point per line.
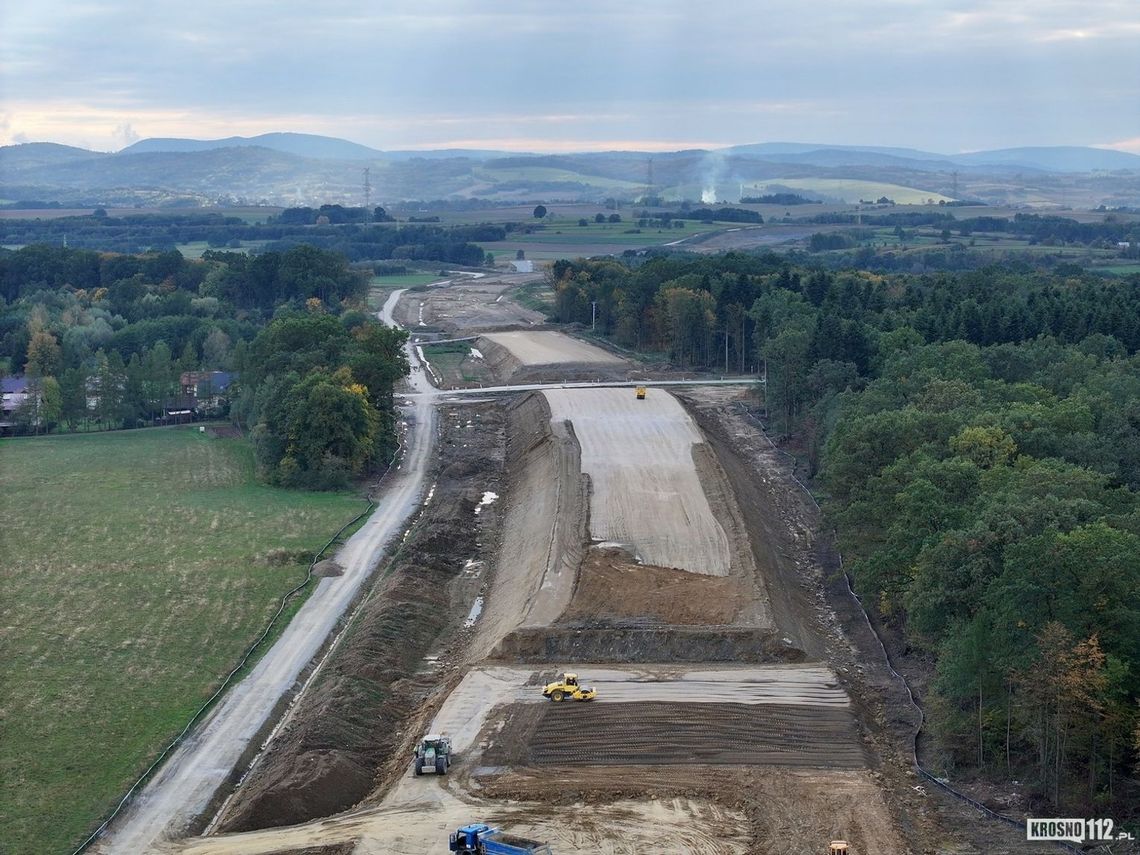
852	190
140	565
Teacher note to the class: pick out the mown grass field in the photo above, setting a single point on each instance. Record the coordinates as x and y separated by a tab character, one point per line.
547	173
448	359
194	249
852	190
618	233
139	566
404	280
562	238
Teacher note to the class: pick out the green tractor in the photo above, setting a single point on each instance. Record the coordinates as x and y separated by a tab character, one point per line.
433	754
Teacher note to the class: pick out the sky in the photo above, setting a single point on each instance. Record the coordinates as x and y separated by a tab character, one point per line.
652	75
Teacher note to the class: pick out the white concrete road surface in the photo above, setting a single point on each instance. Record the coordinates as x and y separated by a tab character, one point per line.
187	782
646	492
548	347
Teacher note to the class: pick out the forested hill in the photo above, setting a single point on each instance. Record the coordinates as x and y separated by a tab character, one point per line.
299	169
976	440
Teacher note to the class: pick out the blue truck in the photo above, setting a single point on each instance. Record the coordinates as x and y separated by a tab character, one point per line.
481	839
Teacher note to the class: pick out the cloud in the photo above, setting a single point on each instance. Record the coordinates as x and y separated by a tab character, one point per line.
1132	146
404	73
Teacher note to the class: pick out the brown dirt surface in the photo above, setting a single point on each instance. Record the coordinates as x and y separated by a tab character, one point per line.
663	749
787	811
469	305
507	367
352	720
327	569
599	642
669	734
613	587
544	526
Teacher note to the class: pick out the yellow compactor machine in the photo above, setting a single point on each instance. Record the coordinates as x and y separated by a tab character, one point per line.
568	687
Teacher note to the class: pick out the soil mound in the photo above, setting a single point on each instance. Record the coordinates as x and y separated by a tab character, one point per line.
327	569
612	587
608	643
353	719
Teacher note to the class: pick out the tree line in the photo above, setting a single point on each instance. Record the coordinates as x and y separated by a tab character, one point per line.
976	437
347	231
105	340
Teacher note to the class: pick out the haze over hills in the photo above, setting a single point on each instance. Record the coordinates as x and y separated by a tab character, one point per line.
303	145
292	169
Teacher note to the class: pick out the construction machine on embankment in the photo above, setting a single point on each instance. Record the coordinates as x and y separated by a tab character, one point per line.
433	754
568	687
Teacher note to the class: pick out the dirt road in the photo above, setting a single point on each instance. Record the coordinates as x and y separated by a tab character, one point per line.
187	784
466	305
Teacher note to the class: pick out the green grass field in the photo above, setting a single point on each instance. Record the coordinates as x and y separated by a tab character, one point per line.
547	173
1122	269
404	280
622	234
194	249
852	190
447	360
535	295
139	566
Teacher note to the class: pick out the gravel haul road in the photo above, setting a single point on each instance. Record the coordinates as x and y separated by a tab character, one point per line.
186	784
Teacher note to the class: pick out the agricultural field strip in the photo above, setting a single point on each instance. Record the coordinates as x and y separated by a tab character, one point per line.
646	493
143	564
550	348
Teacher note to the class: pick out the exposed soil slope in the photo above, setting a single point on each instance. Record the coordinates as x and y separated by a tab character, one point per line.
327	755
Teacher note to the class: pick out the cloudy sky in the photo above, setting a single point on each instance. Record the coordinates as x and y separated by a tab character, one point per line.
941	75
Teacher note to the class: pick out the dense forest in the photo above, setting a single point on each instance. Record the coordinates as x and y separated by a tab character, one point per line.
352	232
975	438
106	341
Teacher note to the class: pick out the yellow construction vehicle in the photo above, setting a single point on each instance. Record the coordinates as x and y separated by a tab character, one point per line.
569	687
837	847
640	393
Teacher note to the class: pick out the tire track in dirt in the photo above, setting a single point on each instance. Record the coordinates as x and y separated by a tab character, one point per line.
666	734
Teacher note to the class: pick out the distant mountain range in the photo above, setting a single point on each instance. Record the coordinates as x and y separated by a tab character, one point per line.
291	169
304	145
